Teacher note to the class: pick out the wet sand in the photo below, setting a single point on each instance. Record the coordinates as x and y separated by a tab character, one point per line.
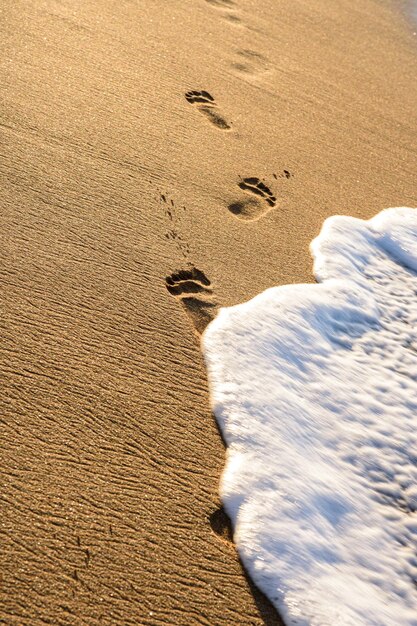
116	177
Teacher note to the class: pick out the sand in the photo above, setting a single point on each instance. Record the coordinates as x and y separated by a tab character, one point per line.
112	180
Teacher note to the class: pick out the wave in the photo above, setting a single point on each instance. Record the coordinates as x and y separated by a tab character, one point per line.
315	390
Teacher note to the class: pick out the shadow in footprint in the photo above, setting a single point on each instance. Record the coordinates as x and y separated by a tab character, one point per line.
286	174
199	96
193	288
206	105
250	63
221	524
226	4
247	210
200	312
232	18
222	3
256	186
250	209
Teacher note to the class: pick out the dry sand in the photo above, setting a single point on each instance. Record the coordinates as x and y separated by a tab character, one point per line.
111	181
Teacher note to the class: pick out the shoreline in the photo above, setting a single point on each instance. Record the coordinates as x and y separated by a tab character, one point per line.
114	181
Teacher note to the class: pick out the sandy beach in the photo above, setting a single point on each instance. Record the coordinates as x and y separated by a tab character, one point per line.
149	144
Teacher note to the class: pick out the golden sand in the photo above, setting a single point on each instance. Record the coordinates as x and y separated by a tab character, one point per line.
207	139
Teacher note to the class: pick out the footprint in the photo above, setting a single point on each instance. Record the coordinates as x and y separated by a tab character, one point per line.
286	174
206	105
199	96
188	281
251	209
257	187
221	524
226	4
250	63
193	288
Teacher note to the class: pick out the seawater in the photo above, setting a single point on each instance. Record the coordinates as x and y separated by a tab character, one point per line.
315	390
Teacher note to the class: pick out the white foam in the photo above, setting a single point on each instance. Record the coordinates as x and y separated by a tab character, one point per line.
315	390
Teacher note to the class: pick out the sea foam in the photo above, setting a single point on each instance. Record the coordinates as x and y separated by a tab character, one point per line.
315	390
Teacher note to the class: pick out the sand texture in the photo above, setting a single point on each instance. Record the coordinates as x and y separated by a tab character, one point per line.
200	143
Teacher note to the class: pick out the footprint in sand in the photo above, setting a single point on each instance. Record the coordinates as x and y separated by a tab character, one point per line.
250	63
221	524
228	10
251	209
285	174
257	187
206	105
193	289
